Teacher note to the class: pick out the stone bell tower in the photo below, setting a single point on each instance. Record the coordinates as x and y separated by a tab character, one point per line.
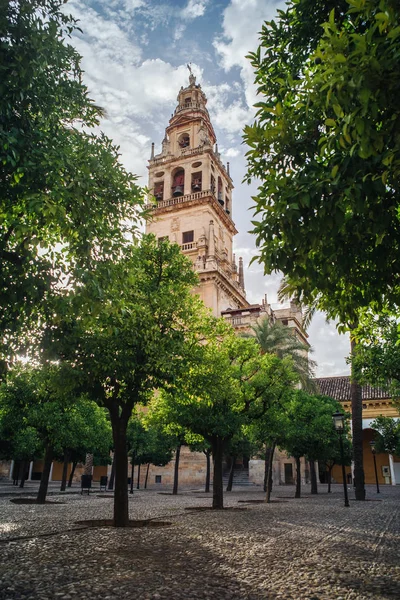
191	200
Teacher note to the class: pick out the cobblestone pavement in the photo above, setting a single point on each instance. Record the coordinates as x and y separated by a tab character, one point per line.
312	548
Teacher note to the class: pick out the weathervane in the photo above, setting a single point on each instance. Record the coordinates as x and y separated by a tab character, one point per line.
192	78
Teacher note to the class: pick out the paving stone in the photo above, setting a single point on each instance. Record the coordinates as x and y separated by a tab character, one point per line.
310	549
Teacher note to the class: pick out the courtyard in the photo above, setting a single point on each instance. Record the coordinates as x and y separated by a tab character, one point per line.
312	548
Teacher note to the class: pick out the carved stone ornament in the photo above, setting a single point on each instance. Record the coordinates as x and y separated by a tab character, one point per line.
175	224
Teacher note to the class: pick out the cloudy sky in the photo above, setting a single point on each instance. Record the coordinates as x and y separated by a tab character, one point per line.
134	56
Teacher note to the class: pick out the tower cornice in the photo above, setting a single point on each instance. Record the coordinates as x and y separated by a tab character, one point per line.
195	199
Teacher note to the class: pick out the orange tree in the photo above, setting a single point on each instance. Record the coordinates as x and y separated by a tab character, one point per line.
228	385
128	329
325	145
65	198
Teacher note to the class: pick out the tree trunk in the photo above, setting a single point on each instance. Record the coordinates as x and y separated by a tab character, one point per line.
112	474
71	475
64	471
88	468
147	476
121	506
218	488
231	474
176	470
138	477
44	480
298	478
313	476
17	466
132	473
207	453
329	479
270	451
266	468
356	419
22	473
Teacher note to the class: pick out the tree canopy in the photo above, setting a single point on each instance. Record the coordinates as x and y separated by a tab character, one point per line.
229	383
65	199
325	145
377	357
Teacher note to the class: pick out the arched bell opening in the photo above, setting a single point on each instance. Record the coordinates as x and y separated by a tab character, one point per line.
184	140
178	182
220	193
227	202
197	181
159	190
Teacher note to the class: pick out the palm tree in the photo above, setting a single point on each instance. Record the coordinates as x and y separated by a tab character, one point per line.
276	338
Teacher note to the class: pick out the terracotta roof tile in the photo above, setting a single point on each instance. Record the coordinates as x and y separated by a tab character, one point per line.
339	388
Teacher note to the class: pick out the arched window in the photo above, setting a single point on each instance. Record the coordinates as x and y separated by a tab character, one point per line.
196	182
159	190
178	183
220	192
184	140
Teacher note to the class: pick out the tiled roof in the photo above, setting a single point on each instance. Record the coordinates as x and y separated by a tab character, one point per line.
339	388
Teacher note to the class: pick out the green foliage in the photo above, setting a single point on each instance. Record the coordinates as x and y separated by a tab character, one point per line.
148	444
276	338
325	145
65	199
34	415
388	438
229	384
377	358
124	330
308	428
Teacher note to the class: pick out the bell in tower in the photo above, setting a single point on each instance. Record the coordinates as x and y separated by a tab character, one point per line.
178	183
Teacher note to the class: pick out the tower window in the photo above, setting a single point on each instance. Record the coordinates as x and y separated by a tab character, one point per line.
187	237
184	140
220	192
159	190
178	183
188	100
196	182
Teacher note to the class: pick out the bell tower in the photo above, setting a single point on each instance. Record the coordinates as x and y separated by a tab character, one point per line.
191	200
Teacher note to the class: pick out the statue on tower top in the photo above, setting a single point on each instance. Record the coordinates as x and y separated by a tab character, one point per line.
192	78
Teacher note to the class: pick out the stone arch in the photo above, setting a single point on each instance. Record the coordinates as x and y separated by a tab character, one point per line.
178	182
184	140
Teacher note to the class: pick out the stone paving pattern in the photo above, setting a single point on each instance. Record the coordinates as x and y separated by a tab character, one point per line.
312	548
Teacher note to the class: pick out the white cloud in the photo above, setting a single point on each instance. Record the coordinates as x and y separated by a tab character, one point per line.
179	31
227	114
194	9
231	152
242	21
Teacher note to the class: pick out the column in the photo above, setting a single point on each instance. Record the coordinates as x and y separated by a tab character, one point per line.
30	471
11	469
391	467
51	472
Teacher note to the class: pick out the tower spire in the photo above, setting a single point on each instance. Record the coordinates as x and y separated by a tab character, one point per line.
241	273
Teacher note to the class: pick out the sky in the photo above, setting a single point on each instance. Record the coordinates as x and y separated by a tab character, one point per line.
135	55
